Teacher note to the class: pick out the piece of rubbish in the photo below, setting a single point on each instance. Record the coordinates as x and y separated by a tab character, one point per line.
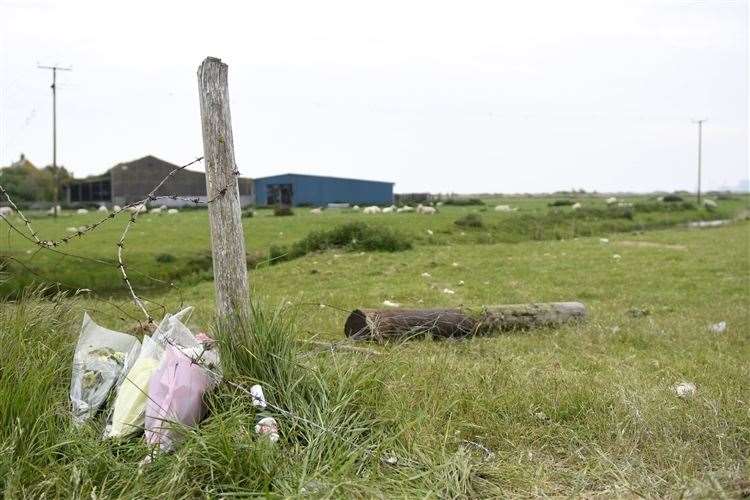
719	327
390	460
129	407
426	275
429	232
460	283
448	291
100	362
267	427
388	303
189	370
603	240
259	399
617	256
685	390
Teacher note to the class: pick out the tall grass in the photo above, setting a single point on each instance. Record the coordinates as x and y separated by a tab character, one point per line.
334	436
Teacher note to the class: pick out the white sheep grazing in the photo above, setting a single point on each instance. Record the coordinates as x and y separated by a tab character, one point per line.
155	211
405	209
82	211
710	203
421	209
137	209
389	210
371	210
6	211
503	208
116	208
355	208
102	208
172	211
611	201
163	207
316	211
576	206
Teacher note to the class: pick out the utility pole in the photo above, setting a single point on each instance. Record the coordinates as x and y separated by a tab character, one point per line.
700	150
56	174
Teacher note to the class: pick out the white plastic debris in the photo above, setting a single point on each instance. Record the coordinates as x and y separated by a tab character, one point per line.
685	390
455	264
448	291
429	232
617	256
267	427
426	275
719	327
603	240
259	399
388	303
461	283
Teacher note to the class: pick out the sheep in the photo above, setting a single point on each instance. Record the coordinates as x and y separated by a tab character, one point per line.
371	210
316	211
52	211
5	211
355	208
576	206
389	210
163	207
421	209
102	208
137	209
611	201
172	211
116	208
155	211
82	211
710	203
71	229
405	209
503	208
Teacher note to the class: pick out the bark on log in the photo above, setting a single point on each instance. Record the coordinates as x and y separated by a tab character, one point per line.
385	324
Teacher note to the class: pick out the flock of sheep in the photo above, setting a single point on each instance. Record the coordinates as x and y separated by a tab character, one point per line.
136	209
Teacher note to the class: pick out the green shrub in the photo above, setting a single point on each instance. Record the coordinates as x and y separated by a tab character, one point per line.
561	203
470	220
283	211
165	258
353	236
671	198
463	202
248	213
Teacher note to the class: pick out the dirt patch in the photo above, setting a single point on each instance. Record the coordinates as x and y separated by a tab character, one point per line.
650	244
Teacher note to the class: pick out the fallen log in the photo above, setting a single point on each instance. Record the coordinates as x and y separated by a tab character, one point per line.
386	324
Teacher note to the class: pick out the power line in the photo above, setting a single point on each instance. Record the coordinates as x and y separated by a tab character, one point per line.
56	187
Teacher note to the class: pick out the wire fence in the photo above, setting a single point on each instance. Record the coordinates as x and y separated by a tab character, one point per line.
27	231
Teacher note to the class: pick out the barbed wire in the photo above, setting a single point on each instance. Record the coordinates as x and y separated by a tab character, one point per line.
135	208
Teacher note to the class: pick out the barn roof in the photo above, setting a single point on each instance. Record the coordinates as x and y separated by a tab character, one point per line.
291	174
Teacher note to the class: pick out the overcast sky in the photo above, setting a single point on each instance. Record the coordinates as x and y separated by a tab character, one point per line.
459	96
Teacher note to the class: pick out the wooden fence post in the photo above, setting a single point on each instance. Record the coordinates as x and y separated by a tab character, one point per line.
224	213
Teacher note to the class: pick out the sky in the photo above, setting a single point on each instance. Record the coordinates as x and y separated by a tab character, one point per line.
442	96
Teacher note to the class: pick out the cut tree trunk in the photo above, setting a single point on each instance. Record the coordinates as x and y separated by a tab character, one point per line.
386	324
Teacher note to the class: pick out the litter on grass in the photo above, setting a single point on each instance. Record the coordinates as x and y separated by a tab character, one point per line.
719	327
685	390
100	362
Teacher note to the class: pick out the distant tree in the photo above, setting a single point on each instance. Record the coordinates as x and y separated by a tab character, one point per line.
25	183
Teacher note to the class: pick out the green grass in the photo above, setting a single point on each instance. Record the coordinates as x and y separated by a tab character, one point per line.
583	410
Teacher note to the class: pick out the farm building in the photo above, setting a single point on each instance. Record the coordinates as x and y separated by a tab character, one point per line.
301	189
132	181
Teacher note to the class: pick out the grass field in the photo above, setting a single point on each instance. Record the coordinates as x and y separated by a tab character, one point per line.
583	410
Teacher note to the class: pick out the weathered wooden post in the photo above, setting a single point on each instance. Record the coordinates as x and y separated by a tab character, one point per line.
224	211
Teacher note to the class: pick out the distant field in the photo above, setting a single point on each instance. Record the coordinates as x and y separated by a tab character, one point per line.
176	248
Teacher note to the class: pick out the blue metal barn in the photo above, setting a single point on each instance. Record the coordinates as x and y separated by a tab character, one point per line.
301	189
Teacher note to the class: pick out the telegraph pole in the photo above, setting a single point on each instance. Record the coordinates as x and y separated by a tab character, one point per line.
56	187
700	149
